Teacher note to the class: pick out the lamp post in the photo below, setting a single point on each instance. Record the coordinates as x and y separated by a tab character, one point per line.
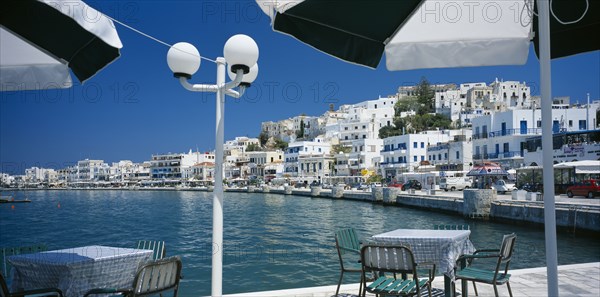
241	53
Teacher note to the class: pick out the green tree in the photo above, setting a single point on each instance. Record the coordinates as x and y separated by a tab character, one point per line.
280	144
406	104
300	133
253	147
375	178
425	96
339	148
263	138
389	131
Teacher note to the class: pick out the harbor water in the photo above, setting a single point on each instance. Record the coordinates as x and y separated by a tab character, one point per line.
271	241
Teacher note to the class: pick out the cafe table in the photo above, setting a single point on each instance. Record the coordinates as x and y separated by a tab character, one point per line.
77	270
442	247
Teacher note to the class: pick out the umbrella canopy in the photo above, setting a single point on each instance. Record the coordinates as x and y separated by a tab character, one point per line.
42	39
417	34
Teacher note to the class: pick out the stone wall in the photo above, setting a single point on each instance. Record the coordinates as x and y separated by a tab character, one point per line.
477	202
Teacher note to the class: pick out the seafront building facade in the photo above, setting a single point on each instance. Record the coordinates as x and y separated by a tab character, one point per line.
497	122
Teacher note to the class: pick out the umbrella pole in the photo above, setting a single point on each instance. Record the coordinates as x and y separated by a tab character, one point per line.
547	151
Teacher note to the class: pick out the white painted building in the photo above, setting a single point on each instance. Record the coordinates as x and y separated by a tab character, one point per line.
266	165
454	155
315	168
364	155
92	170
40	175
295	150
567	147
499	136
173	166
405	153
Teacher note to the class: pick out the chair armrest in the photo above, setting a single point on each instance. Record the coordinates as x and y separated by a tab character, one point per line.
107	291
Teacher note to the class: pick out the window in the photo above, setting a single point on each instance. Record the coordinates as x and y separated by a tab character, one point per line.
422	144
440	157
446	156
415	158
433	157
506	147
364	126
457	155
422	158
415	145
375	106
345	128
582	125
570	123
319	150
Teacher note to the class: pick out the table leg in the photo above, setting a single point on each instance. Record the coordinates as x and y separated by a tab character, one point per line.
448	287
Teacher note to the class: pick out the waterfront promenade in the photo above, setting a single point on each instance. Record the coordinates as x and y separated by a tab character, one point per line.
574	280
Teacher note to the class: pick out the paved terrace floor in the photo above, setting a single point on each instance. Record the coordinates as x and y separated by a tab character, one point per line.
574	280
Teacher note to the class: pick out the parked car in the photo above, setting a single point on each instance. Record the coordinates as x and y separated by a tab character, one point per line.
395	185
412	184
502	186
588	188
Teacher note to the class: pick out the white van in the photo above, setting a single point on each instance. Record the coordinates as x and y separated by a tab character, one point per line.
455	183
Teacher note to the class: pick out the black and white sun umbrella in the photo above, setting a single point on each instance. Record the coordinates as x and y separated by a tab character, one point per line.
41	40
416	34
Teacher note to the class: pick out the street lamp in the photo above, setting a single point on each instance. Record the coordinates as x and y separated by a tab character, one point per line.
241	53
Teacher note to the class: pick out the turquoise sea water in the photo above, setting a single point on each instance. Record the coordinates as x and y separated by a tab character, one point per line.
271	241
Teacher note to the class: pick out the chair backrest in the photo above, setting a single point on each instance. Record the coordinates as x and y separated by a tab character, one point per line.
158	276
506	251
11	251
160	251
508	244
451	227
388	258
346	240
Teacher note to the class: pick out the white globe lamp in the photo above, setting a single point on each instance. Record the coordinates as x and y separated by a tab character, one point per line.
241	52
183	59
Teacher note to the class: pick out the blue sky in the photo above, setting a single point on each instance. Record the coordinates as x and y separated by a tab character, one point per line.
135	108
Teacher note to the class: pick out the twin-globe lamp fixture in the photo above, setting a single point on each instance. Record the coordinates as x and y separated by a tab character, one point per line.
241	53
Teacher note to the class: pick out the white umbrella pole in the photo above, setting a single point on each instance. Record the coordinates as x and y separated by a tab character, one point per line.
547	151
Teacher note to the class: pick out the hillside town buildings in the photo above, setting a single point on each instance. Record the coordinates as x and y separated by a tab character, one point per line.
498	122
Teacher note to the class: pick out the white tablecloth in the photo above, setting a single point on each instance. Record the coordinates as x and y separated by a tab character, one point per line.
77	270
442	247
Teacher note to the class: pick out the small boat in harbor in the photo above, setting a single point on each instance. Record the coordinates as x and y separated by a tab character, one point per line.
9	199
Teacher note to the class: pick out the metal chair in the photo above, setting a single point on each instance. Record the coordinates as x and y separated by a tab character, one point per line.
396	259
158	247
346	241
499	275
152	278
47	291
